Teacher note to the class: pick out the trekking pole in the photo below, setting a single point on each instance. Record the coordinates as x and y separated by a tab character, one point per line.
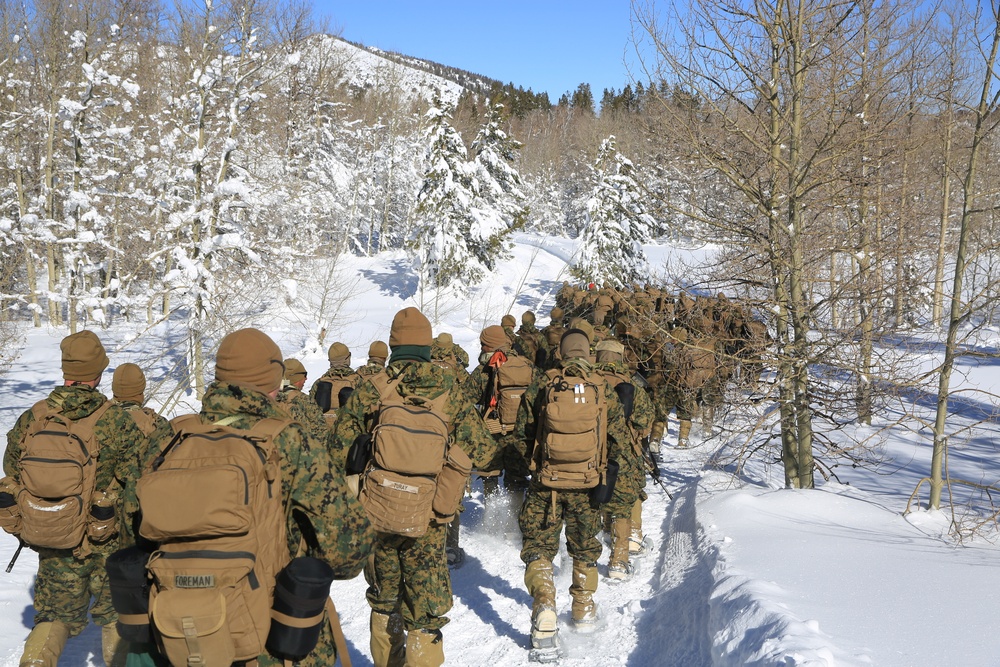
20	545
654	470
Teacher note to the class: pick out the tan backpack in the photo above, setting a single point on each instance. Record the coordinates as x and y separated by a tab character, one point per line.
416	473
212	501
57	492
571	444
511	380
328	392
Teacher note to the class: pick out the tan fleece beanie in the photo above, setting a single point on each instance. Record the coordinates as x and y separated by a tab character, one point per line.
527	318
444	339
508	321
128	384
556	315
493	337
378	350
249	357
83	357
574	345
294	370
339	354
410	327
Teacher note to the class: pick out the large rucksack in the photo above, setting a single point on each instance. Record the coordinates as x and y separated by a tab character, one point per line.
571	442
416	473
57	498
212	501
511	377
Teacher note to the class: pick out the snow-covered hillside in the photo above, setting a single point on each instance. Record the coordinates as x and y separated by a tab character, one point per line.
742	571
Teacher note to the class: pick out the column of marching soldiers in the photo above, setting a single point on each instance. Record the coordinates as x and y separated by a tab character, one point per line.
213	539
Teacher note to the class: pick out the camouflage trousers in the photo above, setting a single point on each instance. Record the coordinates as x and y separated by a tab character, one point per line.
628	487
66	588
512	458
411	575
542	520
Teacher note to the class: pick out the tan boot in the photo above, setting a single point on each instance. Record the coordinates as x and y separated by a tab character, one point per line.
636	540
582	590
683	433
656	435
619	567
708	419
113	647
388	640
44	645
424	648
541	587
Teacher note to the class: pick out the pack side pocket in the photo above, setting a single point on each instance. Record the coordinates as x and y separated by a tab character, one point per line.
451	484
10	513
102	524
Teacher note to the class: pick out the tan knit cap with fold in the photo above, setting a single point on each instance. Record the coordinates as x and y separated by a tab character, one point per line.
410	327
249	357
527	317
378	350
609	351
494	337
83	357
339	354
128	384
508	321
574	345
294	370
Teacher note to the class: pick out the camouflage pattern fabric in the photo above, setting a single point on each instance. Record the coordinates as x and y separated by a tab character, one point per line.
631	470
298	406
411	575
541	527
140	461
371	368
66	584
405	572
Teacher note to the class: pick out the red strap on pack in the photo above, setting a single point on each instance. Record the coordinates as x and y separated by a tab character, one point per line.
496	361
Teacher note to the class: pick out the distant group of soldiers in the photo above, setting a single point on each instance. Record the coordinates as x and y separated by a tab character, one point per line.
639	354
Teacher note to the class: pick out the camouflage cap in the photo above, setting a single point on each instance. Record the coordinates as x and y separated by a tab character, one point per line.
249	357
294	370
493	337
410	327
83	357
339	353
128	384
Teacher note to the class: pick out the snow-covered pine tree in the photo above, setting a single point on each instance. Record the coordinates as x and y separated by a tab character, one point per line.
455	239
617	223
498	182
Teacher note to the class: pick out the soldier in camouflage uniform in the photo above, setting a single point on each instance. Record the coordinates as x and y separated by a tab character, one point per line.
341	376
552	334
530	341
128	389
624	510
70	581
378	352
325	520
545	510
297	405
409	576
446	354
512	456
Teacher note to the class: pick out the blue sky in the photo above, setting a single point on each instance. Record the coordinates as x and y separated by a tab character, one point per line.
545	45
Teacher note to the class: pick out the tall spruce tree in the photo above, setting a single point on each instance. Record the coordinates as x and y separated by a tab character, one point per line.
498	183
617	223
454	242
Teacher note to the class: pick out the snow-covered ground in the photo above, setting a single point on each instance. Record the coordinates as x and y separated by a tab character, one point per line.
742	572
